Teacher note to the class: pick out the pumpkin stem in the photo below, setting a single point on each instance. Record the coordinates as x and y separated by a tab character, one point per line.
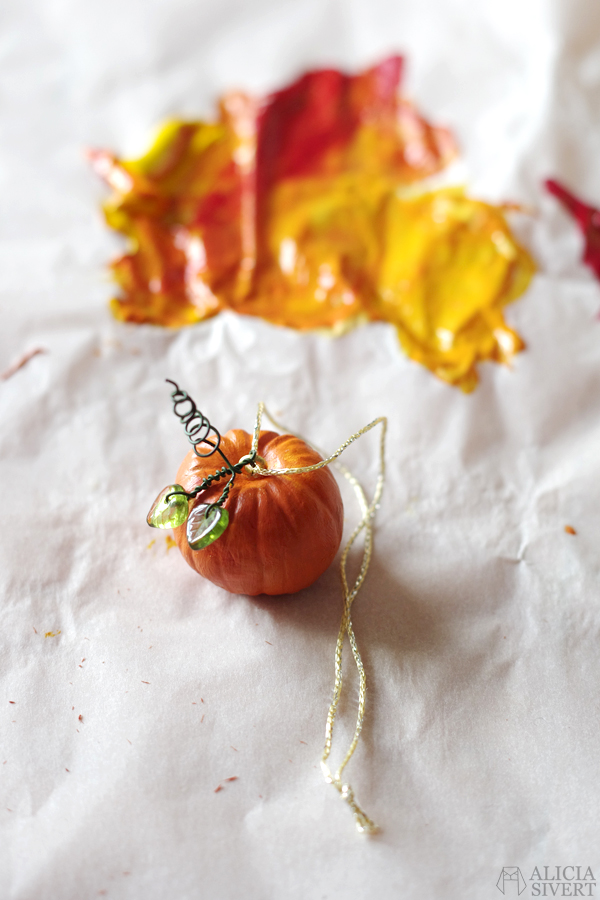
259	462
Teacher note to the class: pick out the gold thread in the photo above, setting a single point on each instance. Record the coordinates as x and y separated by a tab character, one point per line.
363	822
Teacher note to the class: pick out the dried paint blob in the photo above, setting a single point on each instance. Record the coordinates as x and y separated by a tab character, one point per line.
308	208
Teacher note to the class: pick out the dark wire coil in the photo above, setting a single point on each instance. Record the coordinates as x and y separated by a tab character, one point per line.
199	431
197	427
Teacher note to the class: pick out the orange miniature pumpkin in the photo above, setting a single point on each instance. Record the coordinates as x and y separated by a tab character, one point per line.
284	530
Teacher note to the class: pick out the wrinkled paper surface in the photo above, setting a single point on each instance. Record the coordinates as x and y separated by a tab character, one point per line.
480	616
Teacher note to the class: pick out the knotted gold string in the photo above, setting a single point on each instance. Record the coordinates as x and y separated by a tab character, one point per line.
363	822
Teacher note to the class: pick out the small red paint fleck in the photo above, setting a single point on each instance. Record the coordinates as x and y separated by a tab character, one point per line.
80	667
81	718
269	642
232	778
23	360
201	700
72	707
304	742
84	659
218	788
12	701
8	810
66	770
128	741
194	703
260	795
234	748
202	720
570	530
34	628
145	682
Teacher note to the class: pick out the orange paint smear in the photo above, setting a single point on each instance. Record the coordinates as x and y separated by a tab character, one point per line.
304	209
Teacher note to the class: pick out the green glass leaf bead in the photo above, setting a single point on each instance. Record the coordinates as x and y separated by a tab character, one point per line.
169	513
203	529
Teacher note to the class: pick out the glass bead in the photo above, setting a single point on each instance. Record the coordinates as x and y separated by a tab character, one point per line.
169	513
202	530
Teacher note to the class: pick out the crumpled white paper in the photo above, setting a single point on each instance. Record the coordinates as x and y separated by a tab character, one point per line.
480	617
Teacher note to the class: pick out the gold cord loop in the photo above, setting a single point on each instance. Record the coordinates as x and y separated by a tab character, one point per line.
363	822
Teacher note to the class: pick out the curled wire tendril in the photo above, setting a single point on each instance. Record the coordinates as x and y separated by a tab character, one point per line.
199	432
197	427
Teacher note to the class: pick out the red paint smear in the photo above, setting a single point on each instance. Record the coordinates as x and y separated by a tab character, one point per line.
318	116
588	219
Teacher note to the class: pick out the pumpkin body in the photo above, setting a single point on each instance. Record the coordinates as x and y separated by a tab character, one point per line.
284	530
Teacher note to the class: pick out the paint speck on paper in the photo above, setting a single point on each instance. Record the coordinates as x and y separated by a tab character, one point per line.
22	361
